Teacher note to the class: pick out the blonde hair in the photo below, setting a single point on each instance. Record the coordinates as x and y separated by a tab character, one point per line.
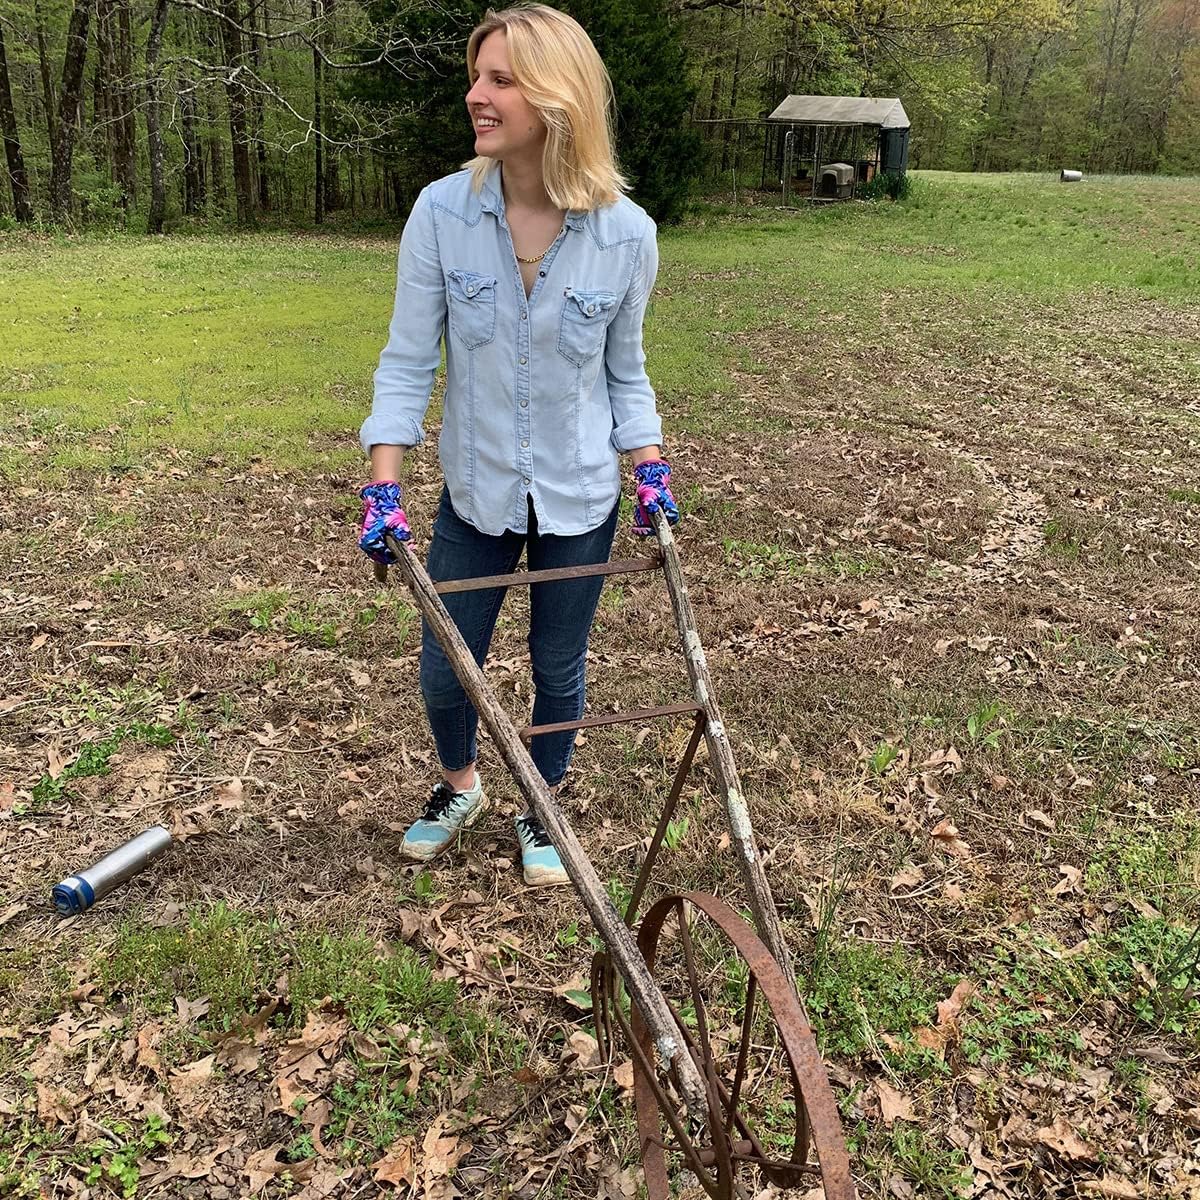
562	76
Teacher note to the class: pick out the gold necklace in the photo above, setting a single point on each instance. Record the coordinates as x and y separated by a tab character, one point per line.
543	254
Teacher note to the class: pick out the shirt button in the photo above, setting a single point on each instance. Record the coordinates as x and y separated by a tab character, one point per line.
526	480
591	308
524	316
524	443
523	361
524	403
542	274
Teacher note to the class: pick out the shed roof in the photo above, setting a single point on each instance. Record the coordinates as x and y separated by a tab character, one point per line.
842	110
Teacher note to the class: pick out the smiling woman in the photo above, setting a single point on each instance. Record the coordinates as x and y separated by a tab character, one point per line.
534	269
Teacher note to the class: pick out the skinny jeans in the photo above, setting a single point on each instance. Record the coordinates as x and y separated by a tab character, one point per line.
561	615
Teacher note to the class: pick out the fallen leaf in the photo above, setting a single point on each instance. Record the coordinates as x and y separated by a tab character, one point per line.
191	1011
893	1105
39	641
1034	817
1111	1186
55	762
396	1166
53	1106
229	794
945	835
147	1038
623	1075
1071	881
241	1057
1061	1138
950	1009
188	1078
906	880
440	1155
292	1097
947	761
262	1166
584	1047
320	1034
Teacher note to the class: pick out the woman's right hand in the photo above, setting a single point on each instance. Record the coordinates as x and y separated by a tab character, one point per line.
383	512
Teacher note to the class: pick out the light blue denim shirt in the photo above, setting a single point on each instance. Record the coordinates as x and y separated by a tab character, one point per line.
541	393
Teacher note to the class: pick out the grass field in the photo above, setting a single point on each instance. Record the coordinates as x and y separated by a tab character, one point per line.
938	465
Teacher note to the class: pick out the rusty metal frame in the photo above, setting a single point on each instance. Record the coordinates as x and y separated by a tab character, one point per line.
653	1028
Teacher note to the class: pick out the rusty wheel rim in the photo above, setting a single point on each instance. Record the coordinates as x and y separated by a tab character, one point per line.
733	1148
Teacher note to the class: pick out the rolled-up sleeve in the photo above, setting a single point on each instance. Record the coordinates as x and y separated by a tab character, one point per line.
635	417
409	361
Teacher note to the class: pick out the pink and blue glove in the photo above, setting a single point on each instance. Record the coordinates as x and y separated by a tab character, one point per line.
653	495
382	513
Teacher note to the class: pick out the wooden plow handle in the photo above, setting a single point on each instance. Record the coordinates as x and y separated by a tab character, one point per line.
720	755
645	993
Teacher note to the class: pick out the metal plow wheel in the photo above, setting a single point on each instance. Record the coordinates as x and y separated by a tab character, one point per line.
771	1114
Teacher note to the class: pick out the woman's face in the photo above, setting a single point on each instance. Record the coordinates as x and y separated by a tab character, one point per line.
506	124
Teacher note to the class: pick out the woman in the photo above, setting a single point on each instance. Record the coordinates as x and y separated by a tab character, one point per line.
534	268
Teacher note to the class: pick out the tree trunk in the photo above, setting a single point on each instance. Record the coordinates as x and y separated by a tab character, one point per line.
718	47
126	128
216	154
49	100
194	197
733	93
154	141
236	94
258	55
102	100
193	153
12	143
68	118
333	183
319	173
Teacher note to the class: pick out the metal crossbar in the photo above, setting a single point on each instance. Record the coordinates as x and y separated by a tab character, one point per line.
618	566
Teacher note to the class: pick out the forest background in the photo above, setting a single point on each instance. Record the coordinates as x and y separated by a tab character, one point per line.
161	114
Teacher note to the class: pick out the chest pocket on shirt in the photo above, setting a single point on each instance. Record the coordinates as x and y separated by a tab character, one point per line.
584	324
472	307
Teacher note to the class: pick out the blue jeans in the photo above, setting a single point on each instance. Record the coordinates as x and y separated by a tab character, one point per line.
560	622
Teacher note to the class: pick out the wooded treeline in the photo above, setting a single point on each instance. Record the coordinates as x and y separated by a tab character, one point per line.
153	112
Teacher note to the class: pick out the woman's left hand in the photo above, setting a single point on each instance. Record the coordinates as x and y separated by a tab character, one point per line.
653	495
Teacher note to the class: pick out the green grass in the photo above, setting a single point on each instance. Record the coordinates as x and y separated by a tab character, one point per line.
94	758
231	956
119	346
325	621
856	991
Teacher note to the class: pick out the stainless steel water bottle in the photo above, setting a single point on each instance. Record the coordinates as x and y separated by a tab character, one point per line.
79	892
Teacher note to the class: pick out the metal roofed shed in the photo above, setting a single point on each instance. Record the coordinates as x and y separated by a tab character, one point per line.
811	139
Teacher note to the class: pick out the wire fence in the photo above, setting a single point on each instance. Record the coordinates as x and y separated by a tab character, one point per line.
771	162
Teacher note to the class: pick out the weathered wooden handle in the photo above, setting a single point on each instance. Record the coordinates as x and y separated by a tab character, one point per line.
628	959
720	754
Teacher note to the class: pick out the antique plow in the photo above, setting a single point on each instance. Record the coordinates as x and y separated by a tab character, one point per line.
732	1091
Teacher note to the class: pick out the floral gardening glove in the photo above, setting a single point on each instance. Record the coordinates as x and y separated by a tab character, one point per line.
382	513
653	495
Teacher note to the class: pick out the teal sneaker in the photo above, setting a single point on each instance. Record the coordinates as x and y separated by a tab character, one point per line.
445	816
542	866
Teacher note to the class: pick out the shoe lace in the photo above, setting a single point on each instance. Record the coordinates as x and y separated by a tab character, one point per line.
441	799
533	831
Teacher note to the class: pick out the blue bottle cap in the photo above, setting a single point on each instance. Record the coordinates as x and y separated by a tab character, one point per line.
73	895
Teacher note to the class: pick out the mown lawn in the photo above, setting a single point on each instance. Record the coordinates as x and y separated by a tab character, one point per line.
938	465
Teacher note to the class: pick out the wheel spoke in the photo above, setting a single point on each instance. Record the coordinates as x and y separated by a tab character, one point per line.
743	1051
